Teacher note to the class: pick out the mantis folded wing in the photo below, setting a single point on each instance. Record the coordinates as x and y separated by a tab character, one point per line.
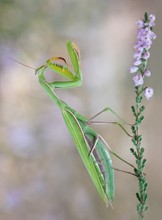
90	145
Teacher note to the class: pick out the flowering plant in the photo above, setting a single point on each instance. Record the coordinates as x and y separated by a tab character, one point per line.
145	36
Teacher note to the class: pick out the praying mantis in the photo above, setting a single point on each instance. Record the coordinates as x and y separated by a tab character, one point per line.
92	148
90	145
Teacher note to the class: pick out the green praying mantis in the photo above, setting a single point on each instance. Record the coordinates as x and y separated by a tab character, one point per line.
92	148
90	145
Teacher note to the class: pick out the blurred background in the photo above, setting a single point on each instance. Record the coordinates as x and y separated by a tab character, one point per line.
42	175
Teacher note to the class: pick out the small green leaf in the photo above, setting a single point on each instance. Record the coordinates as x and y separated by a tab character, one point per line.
138	197
145	197
133	110
145	186
142	151
143	163
146	17
142	109
133	152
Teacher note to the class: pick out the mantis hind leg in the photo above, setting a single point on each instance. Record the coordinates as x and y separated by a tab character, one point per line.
110	110
91	120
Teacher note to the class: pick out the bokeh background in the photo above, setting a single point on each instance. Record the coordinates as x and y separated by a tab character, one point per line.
41	174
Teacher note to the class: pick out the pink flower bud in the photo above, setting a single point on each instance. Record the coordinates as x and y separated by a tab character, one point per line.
147	73
133	69
152	18
149	93
140	24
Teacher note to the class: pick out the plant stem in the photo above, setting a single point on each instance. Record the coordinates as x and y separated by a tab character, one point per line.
138	151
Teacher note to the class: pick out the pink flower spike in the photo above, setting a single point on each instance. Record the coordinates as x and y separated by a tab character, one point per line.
133	69
138	80
147	73
149	93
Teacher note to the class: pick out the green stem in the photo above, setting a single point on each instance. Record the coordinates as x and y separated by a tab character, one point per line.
142	193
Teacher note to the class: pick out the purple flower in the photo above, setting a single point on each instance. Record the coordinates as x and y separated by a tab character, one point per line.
147	73
138	79
152	35
140	24
146	55
133	69
149	93
137	62
152	20
138	54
